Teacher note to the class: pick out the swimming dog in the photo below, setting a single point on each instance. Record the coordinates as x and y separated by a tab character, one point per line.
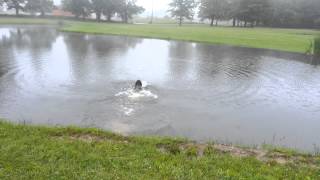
138	86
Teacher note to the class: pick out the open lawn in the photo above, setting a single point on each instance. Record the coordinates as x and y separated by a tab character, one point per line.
291	40
28	152
26	21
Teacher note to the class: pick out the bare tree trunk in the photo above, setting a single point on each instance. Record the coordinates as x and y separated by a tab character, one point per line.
17	11
98	16
212	20
234	22
216	22
180	21
257	23
126	13
109	17
126	18
83	14
42	13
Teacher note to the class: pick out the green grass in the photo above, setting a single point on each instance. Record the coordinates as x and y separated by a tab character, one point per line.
26	21
291	40
28	152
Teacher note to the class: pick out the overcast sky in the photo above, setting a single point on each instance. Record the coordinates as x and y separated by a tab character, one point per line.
160	6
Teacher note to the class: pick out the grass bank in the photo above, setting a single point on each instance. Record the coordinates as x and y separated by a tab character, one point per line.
70	153
26	21
291	40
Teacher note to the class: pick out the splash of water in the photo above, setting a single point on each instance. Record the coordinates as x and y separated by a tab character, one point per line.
131	93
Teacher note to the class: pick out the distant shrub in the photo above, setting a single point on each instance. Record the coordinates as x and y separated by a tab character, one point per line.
316	46
61	23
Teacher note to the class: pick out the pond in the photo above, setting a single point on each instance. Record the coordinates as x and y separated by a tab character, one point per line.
198	91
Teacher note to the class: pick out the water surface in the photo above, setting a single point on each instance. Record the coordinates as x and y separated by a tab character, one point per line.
199	91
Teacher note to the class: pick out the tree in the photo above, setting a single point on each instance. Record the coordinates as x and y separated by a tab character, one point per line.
207	10
308	12
252	11
41	6
128	8
80	8
98	7
1	5
233	11
15	4
111	9
213	10
182	9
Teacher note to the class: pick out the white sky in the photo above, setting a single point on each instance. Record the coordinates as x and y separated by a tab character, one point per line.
160	6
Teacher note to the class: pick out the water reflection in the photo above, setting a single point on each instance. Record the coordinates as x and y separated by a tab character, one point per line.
315	60
204	92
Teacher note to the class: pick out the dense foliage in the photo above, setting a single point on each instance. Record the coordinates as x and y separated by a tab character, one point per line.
214	10
15	4
124	9
32	6
41	6
273	13
182	9
316	48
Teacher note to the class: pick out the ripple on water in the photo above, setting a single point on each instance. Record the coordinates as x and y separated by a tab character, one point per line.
197	89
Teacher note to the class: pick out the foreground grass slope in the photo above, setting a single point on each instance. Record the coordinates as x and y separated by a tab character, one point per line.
69	153
291	40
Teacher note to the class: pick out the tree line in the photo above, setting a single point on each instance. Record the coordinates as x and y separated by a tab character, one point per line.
124	9
32	6
272	13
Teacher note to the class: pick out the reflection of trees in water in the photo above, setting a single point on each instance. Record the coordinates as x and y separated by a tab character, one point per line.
224	65
77	48
315	60
6	55
37	39
104	46
205	62
180	50
180	53
80	45
218	58
92	51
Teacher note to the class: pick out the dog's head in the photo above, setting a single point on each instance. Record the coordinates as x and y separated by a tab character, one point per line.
138	85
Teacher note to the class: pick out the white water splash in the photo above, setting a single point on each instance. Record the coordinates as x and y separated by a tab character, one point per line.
127	111
129	107
133	94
